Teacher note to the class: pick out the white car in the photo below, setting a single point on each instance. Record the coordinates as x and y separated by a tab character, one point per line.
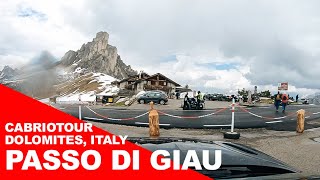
290	101
304	101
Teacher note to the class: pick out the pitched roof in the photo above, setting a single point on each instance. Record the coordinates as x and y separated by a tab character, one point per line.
133	77
171	81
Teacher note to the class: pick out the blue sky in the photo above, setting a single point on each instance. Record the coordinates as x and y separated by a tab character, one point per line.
169	58
28	12
220	66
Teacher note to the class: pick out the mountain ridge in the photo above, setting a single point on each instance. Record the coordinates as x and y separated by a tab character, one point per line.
40	79
97	56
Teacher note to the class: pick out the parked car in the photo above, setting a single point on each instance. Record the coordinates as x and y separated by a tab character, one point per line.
213	97
304	101
290	101
208	97
155	96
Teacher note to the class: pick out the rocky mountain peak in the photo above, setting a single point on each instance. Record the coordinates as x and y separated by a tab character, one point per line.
98	56
101	36
7	73
7	68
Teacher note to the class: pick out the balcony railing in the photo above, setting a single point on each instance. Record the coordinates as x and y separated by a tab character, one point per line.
155	87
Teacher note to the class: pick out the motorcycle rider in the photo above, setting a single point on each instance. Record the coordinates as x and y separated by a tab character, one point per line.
186	102
199	99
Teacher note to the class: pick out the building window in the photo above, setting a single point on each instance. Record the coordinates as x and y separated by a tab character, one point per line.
164	83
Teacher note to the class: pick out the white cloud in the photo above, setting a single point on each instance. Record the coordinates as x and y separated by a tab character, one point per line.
11	60
25	37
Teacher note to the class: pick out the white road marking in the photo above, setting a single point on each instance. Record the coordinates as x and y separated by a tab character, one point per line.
280	117
316	113
148	124
307	117
264	107
90	118
62	108
248	108
255	115
271	122
214	125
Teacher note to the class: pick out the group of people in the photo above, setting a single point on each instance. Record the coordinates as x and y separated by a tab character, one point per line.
281	99
198	100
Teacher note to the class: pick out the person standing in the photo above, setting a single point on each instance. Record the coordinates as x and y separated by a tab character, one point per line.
277	100
297	97
198	99
186	102
178	95
284	99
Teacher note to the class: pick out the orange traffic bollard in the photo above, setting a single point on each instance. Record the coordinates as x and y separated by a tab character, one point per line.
154	130
300	120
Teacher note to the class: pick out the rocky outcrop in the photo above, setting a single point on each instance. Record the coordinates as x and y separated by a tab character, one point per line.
39	77
7	73
98	56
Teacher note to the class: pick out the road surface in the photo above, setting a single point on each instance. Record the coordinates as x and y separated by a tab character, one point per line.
253	117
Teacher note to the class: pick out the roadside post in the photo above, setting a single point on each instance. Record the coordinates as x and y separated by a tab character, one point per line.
232	115
80	107
232	134
300	120
80	112
154	130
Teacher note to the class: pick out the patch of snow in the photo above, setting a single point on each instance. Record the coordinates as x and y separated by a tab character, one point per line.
76	62
104	79
122	100
11	81
47	100
78	70
92	81
69	98
88	97
104	86
110	91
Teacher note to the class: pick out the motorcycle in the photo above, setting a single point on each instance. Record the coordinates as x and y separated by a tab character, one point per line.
192	104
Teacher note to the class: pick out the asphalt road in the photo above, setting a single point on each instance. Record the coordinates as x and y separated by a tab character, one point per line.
254	117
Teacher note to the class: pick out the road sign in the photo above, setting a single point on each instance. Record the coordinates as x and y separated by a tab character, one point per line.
283	86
